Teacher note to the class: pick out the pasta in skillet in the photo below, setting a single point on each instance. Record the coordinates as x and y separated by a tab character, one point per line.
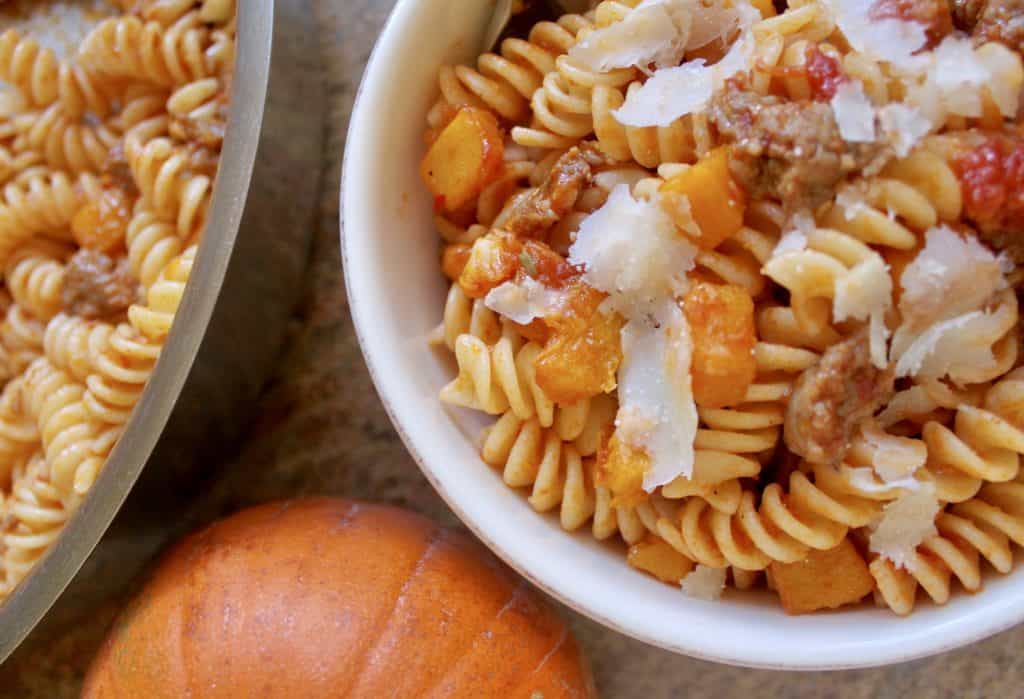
738	281
107	162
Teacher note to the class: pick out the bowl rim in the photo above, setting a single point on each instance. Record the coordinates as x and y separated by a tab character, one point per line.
945	635
29	602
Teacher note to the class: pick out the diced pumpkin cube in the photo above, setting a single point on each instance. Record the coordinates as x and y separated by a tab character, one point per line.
453	259
721	318
823	580
621	468
655	556
100	224
716	202
583	352
463	158
765	7
492	260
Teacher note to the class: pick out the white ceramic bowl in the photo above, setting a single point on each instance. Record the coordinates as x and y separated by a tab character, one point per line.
396	293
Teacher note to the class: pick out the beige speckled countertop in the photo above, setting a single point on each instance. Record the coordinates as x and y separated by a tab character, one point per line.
322	430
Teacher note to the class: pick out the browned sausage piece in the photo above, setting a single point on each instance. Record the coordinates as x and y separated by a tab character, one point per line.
991	20
95	286
791	151
542	208
832	397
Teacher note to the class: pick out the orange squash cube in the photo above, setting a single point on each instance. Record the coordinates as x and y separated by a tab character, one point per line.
655	556
721	318
716	201
463	159
823	580
621	469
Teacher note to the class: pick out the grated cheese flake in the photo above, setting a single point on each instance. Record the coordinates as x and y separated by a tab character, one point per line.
523	301
903	126
888	39
672	93
865	292
894	459
854	113
704	583
905	524
630	250
792	240
656	31
945	288
657	410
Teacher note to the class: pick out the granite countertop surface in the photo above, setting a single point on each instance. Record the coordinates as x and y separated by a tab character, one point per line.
322	430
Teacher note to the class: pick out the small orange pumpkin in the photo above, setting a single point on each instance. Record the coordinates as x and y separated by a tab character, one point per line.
328	597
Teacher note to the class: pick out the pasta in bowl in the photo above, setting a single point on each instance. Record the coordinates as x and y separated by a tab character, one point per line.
736	286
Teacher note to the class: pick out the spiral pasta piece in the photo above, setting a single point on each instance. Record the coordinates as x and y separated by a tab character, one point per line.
32	69
166	56
65	426
154	319
36	517
21	339
40	203
74	344
67	144
910	196
121	368
35	277
152	244
506	81
169	186
19	435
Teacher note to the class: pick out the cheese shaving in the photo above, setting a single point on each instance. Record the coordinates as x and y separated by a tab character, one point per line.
523	301
854	114
864	480
865	292
630	250
960	344
704	583
791	241
672	93
888	39
893	458
905	524
903	126
655	393
655	32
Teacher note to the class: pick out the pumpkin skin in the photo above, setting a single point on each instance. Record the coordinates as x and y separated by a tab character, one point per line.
327	597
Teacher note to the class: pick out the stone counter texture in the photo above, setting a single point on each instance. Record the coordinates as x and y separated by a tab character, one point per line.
323	431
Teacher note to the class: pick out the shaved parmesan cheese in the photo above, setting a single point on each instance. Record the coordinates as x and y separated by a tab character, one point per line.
672	93
906	523
864	480
959	75
893	458
656	32
630	250
903	127
865	292
523	301
889	39
791	241
715	21
704	582
655	393
961	344
854	114
1006	76
949	276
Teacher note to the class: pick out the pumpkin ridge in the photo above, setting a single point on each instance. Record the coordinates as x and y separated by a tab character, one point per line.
438	536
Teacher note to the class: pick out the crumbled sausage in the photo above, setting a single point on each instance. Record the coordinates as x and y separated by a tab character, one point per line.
95	286
991	20
207	128
117	172
791	151
934	15
542	208
832	397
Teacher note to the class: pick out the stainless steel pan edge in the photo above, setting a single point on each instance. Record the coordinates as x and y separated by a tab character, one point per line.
227	335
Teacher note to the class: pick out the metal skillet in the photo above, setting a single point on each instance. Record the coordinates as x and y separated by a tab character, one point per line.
227	334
